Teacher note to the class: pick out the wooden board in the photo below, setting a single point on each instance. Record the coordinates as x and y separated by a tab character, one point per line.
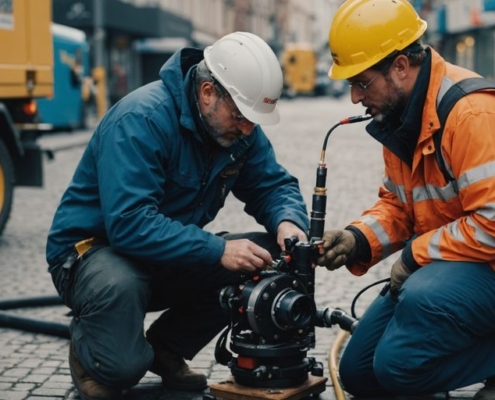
230	390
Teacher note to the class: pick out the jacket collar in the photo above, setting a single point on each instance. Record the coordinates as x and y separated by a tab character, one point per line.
401	135
431	122
176	75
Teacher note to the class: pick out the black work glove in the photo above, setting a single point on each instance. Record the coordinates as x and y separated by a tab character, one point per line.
338	247
398	276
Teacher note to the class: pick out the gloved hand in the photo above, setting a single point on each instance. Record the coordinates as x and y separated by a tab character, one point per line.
338	247
398	275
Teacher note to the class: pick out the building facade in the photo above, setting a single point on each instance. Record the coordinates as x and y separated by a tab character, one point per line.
115	29
131	39
463	31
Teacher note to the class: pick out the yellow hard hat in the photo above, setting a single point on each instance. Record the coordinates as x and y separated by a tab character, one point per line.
364	32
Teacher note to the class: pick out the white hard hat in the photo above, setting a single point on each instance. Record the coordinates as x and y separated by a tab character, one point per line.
250	71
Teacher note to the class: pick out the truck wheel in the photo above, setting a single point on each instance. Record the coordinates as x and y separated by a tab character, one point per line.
6	185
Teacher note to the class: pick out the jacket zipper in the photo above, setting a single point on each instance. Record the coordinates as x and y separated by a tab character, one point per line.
206	176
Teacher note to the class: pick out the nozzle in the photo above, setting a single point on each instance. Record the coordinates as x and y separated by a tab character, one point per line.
356	118
328	317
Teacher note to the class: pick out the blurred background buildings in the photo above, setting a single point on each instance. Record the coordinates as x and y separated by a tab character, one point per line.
131	39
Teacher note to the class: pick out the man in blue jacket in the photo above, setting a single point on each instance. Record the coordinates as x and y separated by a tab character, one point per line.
127	237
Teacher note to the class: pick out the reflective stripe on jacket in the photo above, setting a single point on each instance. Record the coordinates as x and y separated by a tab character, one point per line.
418	203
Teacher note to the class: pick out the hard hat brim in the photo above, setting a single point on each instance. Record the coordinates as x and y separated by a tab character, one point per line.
270	118
340	73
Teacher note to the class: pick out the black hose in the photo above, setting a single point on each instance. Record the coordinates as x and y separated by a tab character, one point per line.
34	325
39	301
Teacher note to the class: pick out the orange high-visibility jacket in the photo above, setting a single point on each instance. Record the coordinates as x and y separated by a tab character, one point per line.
451	224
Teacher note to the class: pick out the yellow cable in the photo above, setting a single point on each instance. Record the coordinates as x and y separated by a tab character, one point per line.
333	363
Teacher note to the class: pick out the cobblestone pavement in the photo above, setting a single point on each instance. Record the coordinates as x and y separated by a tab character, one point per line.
34	366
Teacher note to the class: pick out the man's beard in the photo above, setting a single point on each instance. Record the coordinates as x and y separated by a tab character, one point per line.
221	137
393	106
224	139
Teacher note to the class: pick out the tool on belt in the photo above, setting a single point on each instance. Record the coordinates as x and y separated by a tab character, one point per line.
80	248
84	245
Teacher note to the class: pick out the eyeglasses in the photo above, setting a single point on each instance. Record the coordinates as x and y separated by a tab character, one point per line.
236	114
225	96
362	86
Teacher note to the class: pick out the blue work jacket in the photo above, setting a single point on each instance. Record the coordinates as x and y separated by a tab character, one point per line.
148	183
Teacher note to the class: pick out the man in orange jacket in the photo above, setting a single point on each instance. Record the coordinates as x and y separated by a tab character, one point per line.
435	329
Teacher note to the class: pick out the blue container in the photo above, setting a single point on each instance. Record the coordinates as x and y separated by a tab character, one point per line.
489	5
442	19
71	65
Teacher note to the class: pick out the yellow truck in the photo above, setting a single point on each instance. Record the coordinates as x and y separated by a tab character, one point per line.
299	66
26	73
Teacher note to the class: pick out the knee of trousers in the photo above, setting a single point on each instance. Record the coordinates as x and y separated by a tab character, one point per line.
121	371
109	359
397	372
357	376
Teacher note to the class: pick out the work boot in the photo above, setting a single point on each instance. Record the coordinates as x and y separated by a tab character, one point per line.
174	371
488	391
89	388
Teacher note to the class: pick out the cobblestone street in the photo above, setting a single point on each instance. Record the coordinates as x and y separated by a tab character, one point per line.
34	366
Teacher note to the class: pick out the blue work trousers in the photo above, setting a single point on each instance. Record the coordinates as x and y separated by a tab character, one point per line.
110	295
439	335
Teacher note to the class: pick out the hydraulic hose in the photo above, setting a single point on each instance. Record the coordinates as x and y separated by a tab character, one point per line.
34	325
328	316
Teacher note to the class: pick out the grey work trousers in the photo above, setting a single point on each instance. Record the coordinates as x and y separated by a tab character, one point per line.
110	295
